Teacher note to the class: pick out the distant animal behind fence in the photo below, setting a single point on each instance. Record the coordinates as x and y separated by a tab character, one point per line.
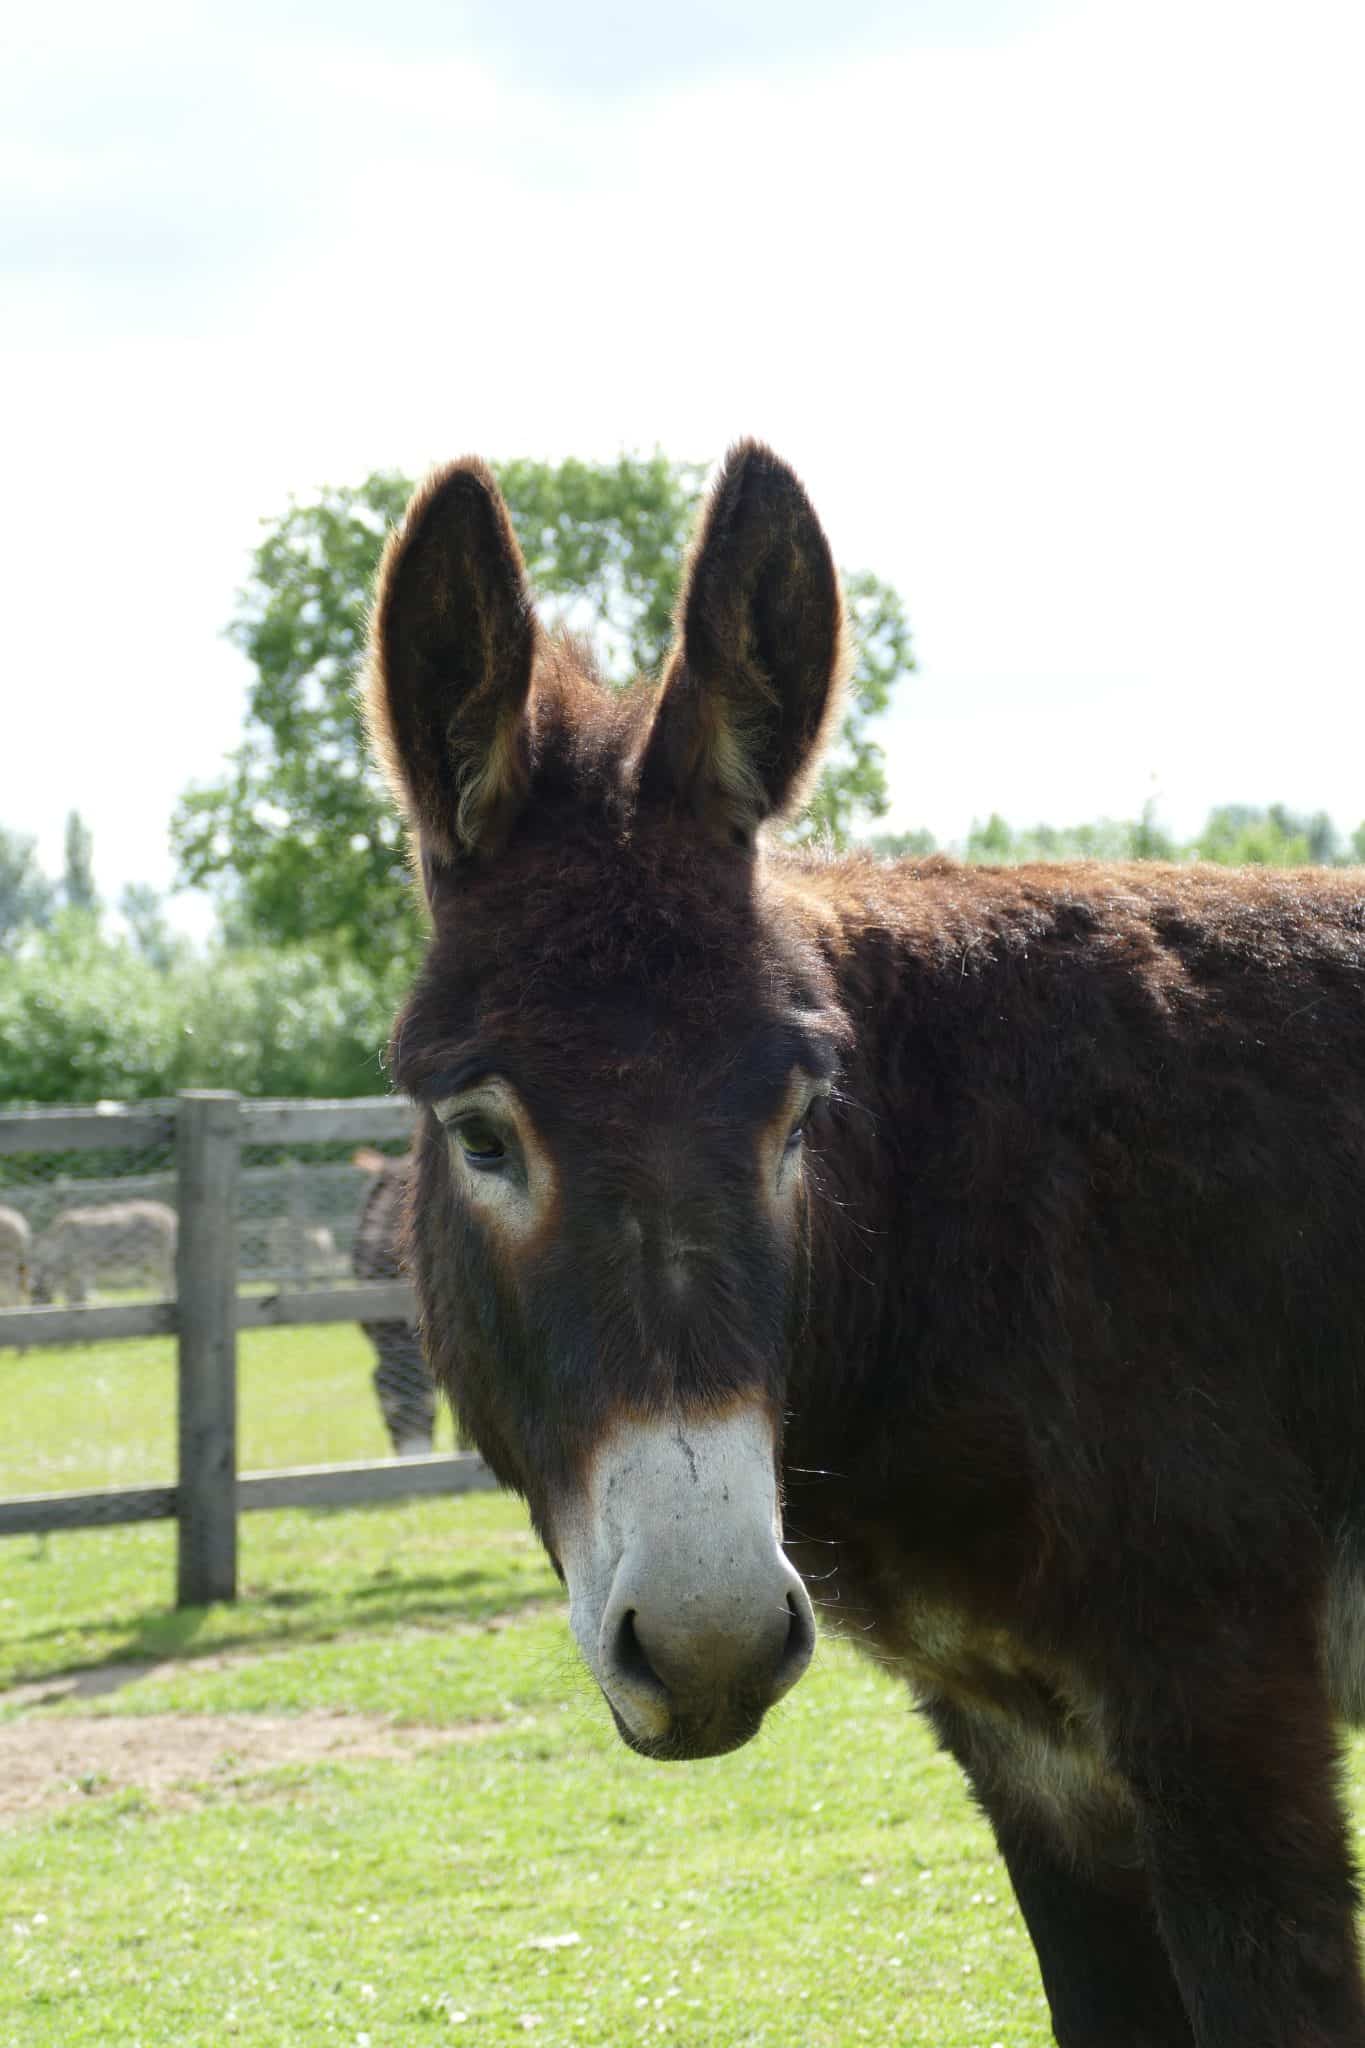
119	1244
16	1256
402	1379
301	1251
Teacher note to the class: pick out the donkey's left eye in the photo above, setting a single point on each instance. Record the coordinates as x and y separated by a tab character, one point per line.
799	1128
802	1125
479	1142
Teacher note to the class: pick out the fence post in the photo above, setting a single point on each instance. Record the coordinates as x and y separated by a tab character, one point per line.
208	1160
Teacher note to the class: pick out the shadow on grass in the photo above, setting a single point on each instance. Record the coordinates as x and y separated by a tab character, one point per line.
281	1617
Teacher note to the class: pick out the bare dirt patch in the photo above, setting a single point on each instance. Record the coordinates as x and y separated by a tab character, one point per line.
176	1759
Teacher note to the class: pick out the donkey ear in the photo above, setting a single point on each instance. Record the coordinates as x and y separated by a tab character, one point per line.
452	647
756	673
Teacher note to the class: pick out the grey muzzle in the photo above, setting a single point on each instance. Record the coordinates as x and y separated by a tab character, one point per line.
681	1599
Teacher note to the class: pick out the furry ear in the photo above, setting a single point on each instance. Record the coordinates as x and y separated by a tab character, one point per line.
760	659
452	647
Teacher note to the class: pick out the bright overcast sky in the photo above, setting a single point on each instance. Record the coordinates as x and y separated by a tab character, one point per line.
1057	308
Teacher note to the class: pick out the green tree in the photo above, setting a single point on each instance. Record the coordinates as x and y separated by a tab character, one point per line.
85	1015
852	784
604	546
1242	835
143	910
914	845
78	877
992	843
997	844
1149	841
27	897
1234	835
299	841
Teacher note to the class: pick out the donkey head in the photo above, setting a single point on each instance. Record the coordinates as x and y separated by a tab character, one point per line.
623	1029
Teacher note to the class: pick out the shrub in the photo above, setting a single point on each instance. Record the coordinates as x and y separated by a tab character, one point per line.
85	1017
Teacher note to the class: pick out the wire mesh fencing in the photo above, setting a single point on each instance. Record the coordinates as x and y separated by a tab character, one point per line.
313	1216
300	1209
81	1227
88	1225
88	1230
194	1225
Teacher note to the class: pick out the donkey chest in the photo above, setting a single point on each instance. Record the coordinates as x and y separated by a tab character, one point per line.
943	1628
1030	1734
945	1651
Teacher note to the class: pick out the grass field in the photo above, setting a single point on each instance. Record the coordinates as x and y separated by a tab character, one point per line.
104	1414
377	1802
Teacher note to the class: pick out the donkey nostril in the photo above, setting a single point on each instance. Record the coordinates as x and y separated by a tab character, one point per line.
800	1643
630	1659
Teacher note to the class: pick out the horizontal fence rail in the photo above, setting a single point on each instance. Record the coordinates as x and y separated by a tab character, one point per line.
371	1117
366	1301
85	1130
298	1486
208	1131
263	1122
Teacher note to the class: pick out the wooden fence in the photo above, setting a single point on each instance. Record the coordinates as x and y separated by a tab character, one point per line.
208	1130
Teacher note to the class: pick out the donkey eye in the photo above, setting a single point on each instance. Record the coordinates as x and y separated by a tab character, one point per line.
800	1127
802	1124
479	1142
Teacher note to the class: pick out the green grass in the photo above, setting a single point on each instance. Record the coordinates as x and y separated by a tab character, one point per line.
104	1414
830	1884
370	1586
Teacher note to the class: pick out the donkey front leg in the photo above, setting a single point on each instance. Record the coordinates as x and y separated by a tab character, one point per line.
1233	1769
1086	1903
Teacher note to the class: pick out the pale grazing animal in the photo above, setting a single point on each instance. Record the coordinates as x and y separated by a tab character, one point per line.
118	1244
16	1258
302	1251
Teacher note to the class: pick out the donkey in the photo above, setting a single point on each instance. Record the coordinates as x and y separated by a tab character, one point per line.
402	1382
16	1254
115	1241
1008	1223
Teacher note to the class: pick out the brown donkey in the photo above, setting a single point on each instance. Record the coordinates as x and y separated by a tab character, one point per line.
1009	1225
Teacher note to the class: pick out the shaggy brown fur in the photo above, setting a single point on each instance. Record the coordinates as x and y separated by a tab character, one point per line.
1070	1333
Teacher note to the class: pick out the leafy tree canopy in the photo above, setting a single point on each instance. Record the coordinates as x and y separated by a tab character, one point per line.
27	897
143	910
1101	839
85	1014
299	840
1239	835
1235	835
78	878
913	845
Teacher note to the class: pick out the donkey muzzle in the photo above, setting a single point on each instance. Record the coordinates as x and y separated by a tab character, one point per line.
684	1606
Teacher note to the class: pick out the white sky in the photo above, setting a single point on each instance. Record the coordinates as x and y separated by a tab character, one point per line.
1057	308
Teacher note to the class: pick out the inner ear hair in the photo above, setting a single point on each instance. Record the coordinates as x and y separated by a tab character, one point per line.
452	651
754	682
